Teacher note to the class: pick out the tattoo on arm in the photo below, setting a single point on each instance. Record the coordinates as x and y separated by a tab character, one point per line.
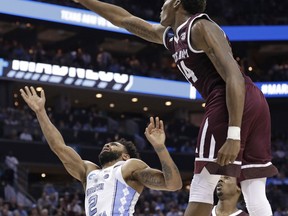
159	149
167	171
151	179
139	30
157	179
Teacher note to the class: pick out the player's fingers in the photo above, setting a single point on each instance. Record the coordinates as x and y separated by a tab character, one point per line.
152	122
149	126
232	159
23	93
157	122
147	132
32	89
27	91
161	125
220	159
42	94
227	161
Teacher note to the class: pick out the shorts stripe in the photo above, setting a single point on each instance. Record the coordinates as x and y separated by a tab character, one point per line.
212	148
256	165
214	160
203	136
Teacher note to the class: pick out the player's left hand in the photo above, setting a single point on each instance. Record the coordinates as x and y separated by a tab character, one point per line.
35	102
228	153
155	132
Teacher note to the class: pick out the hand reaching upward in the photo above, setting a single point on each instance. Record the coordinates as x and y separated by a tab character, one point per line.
155	132
35	102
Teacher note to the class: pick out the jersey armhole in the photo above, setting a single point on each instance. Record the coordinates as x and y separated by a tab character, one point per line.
164	37
189	33
119	176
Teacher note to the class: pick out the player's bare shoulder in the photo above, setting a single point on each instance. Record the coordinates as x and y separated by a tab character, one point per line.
198	31
90	166
129	168
132	165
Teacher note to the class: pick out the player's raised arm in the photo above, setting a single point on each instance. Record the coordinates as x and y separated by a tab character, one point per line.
123	19
169	177
70	159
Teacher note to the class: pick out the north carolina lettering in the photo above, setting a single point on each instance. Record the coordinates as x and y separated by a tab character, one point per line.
95	188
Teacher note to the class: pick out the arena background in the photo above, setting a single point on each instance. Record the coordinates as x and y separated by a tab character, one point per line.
75	56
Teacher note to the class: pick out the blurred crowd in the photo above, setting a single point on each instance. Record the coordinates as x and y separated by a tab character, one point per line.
93	128
226	12
154	65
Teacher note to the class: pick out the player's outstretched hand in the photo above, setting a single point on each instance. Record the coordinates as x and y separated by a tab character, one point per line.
35	102
155	132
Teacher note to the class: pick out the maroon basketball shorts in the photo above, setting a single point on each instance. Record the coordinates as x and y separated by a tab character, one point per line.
254	158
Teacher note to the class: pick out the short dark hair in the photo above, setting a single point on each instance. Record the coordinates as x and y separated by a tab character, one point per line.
130	147
194	6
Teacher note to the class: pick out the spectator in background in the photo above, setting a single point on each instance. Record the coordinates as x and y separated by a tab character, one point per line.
44	212
103	59
34	211
12	164
25	135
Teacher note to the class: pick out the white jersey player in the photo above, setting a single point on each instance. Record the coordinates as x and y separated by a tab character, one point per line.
108	184
113	187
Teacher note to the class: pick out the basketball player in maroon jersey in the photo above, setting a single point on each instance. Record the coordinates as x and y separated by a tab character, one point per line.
234	138
228	193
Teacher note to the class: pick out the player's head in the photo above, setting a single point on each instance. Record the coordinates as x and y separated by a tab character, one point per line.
170	8
118	150
194	6
228	188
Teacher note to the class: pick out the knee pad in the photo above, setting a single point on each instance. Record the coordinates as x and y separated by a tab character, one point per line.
254	192
202	187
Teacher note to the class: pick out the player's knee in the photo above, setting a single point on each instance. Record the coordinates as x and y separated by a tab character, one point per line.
203	186
260	205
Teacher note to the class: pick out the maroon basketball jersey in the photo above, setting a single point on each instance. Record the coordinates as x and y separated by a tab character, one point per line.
194	65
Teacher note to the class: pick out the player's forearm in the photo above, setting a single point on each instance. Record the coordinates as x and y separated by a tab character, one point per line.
52	135
110	12
235	98
170	171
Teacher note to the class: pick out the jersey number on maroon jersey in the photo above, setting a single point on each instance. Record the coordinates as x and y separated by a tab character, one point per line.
187	72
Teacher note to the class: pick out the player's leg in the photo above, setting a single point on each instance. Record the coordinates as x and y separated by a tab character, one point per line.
202	194
212	135
255	197
256	161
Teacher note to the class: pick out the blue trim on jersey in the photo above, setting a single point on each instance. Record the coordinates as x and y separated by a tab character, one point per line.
119	195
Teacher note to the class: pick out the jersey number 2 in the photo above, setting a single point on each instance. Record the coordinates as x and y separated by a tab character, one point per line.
92	205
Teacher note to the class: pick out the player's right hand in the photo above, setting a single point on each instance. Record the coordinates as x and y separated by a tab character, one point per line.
228	153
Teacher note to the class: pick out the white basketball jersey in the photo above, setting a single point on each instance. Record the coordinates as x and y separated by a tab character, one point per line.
108	194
